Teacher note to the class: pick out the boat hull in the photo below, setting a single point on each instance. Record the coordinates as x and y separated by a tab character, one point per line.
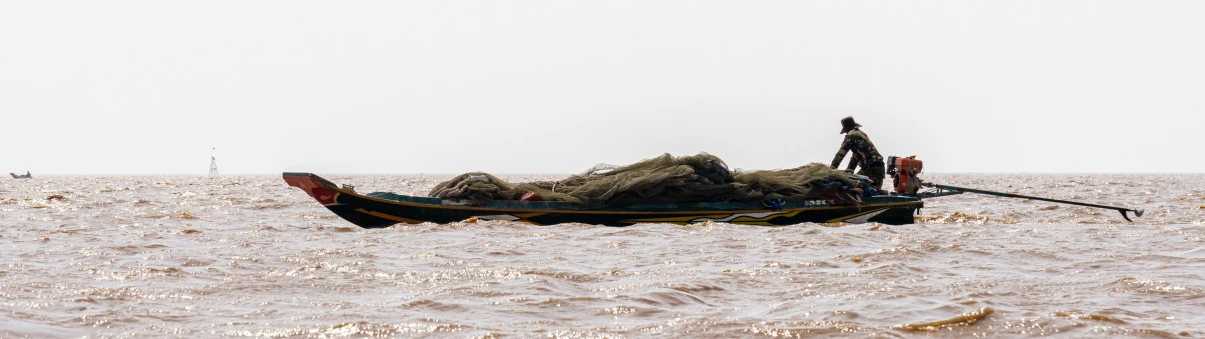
376	210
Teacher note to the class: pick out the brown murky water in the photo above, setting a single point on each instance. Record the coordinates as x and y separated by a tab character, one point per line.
247	256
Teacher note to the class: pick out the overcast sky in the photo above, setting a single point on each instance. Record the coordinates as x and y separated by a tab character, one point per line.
123	87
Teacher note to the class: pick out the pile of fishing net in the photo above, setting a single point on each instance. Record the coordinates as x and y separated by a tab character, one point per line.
664	179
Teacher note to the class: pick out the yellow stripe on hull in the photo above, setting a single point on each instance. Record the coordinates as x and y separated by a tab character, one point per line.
390	217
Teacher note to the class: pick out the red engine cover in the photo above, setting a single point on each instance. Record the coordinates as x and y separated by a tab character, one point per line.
910	166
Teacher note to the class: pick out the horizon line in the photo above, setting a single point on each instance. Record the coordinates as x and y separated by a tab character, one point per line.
562	173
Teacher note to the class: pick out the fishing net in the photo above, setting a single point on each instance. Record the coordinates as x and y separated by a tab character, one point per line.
664	179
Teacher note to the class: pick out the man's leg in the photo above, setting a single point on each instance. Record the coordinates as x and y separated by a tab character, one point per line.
876	172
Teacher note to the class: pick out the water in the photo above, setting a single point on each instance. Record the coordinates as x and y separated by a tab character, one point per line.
248	256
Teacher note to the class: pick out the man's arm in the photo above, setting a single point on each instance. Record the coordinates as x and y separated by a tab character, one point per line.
845	146
854	161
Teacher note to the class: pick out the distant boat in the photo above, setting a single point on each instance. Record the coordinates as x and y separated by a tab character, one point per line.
26	176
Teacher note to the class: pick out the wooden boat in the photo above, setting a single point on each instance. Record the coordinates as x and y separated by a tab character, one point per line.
19	176
383	209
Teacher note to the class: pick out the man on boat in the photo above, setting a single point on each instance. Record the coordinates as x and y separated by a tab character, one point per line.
865	155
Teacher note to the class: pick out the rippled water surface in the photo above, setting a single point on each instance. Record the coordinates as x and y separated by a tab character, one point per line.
248	256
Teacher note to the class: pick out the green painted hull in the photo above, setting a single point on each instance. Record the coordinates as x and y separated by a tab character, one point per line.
375	210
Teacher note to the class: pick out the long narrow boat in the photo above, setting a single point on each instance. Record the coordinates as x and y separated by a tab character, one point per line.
382	209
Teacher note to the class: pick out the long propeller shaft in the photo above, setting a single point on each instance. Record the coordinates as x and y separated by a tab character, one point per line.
1123	210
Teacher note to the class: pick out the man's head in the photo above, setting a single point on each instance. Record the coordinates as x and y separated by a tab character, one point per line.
848	124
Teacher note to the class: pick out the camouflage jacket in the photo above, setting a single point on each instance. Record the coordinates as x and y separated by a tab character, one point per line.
864	151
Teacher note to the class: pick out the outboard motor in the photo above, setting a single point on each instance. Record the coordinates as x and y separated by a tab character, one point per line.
904	173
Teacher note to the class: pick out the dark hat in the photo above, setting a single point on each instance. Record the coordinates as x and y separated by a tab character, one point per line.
848	124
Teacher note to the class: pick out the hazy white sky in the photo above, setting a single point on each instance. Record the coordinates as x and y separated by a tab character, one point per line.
122	87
